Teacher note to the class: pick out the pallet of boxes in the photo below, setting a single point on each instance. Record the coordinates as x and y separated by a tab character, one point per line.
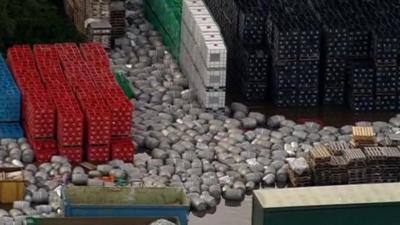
361	161
100	20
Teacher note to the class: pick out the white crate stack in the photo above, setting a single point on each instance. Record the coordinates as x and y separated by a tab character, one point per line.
203	54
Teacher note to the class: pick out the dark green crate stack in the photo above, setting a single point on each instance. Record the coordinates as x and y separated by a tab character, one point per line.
166	17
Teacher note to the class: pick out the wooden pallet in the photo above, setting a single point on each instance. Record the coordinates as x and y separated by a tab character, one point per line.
336	148
320	154
363	136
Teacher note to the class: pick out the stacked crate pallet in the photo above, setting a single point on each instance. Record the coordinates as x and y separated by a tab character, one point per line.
10	100
120	107
203	55
243	26
252	56
385	29
96	113
304	74
166	18
295	44
69	121
361	87
91	116
117	18
38	110
343	41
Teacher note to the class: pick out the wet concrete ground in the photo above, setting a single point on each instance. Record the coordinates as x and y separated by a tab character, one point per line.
332	116
240	215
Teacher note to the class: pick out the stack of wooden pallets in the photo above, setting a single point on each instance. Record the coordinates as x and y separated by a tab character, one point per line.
319	160
356	166
299	178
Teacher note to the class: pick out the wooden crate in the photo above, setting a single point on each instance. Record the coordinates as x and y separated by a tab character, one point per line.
12	185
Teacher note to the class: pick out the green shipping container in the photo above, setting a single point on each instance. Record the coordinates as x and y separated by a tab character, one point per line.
366	204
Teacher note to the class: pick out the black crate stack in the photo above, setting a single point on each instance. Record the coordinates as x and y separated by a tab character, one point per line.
117	18
242	24
385	28
215	8
253	55
295	44
361	87
307	52
254	70
345	38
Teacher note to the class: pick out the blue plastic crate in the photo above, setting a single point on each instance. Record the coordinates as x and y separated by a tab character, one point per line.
11	130
10	96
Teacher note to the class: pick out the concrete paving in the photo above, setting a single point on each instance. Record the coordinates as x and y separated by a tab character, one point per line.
226	215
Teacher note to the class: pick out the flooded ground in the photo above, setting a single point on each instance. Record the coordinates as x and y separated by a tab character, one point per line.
332	116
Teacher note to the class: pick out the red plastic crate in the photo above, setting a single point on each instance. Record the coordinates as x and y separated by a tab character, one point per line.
119	105
122	149
70	128
98	127
73	154
98	153
44	156
96	113
69	115
44	149
38	110
68	52
94	52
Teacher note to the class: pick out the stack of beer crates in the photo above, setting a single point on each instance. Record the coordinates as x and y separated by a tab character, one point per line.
203	55
385	44
243	26
38	110
73	105
118	104
252	58
10	100
361	87
296	54
69	122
